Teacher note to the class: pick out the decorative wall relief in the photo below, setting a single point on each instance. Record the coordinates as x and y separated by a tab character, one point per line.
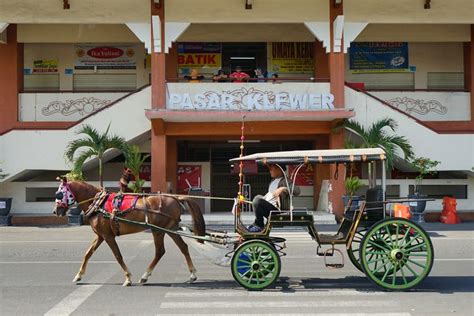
418	106
82	106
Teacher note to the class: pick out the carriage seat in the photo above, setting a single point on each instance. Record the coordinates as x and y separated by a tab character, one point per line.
374	204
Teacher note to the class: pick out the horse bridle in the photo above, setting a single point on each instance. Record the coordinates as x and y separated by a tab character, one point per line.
64	196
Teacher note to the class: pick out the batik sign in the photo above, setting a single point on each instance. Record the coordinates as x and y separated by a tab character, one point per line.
373	57
105	57
199	55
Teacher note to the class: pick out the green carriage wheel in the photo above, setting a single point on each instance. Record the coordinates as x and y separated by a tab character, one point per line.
353	252
255	265
400	248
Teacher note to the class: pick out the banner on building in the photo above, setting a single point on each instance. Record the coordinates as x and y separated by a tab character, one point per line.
45	66
291	57
199	55
373	57
189	176
105	57
305	176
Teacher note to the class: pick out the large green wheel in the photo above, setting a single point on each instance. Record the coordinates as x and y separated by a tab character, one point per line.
353	250
396	254
255	265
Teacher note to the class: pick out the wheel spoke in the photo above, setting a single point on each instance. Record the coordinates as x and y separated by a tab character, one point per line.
415	247
379	246
416	263
243	261
403	275
411	270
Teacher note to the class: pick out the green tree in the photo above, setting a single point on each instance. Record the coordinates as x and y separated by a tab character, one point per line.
133	161
94	144
377	135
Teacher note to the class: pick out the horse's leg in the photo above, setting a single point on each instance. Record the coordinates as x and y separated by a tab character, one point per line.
115	249
185	251
159	252
93	247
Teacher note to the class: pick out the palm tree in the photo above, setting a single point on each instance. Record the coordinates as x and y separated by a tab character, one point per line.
133	161
377	136
96	145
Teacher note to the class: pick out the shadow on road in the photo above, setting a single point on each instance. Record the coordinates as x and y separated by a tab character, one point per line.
436	284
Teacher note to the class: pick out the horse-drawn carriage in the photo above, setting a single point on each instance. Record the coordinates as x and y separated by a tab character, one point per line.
394	253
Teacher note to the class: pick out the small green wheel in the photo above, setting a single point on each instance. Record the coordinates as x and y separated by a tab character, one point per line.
255	265
396	254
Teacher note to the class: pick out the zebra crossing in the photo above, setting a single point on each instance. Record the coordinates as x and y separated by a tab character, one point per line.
279	302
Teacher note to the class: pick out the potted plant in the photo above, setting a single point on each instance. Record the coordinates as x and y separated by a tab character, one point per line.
424	166
5	203
352	184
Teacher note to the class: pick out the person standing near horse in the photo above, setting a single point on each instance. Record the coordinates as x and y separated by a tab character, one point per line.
276	199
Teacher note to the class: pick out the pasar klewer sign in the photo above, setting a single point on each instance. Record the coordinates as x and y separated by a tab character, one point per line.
105	57
250	96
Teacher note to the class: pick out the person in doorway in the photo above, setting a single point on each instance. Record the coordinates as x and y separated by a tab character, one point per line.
194	77
259	75
275	78
277	198
238	75
220	76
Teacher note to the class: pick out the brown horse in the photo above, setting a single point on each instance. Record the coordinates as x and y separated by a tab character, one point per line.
160	210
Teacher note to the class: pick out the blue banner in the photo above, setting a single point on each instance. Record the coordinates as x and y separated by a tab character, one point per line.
378	57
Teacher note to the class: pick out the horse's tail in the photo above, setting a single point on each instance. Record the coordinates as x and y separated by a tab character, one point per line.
193	208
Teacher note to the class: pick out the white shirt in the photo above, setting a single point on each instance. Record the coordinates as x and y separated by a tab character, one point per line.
272	188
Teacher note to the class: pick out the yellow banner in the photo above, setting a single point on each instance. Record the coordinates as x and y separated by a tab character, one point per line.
291	57
199	60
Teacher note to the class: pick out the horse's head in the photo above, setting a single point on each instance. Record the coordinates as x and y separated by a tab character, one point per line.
65	198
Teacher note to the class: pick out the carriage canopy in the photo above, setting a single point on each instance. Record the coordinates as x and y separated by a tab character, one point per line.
317	156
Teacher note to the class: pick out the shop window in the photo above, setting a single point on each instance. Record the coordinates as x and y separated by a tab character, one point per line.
446	80
440	191
389	81
40	194
105	82
41	82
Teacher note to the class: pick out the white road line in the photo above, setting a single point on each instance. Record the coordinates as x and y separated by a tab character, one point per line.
317	293
57	262
66	241
300	314
71	302
273	304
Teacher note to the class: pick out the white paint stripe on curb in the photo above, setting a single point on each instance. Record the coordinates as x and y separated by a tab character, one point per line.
274	294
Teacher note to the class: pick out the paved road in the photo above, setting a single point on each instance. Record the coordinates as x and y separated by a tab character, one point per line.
38	264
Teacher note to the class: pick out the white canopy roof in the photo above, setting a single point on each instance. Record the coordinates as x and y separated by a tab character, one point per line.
315	154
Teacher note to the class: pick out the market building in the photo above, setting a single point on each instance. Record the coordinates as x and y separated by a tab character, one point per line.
147	68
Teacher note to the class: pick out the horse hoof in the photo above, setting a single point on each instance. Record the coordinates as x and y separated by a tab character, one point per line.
127	283
142	280
76	279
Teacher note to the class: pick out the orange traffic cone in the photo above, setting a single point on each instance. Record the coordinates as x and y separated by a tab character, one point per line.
449	214
400	210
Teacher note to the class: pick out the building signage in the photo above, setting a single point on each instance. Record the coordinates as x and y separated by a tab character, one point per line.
45	66
257	96
291	58
367	57
189	176
199	55
105	57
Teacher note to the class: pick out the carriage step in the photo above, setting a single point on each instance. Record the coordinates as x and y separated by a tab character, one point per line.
328	239
335	265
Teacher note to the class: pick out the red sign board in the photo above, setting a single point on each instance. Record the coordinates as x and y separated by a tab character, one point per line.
189	176
305	176
105	52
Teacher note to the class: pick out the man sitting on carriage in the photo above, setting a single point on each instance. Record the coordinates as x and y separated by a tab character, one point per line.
277	197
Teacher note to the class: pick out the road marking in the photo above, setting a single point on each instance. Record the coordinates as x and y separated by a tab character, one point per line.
272	294
67	241
273	304
57	262
314	314
71	302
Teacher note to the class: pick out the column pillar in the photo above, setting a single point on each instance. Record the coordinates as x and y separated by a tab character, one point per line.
159	152
321	61
469	71
11	79
172	63
336	140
